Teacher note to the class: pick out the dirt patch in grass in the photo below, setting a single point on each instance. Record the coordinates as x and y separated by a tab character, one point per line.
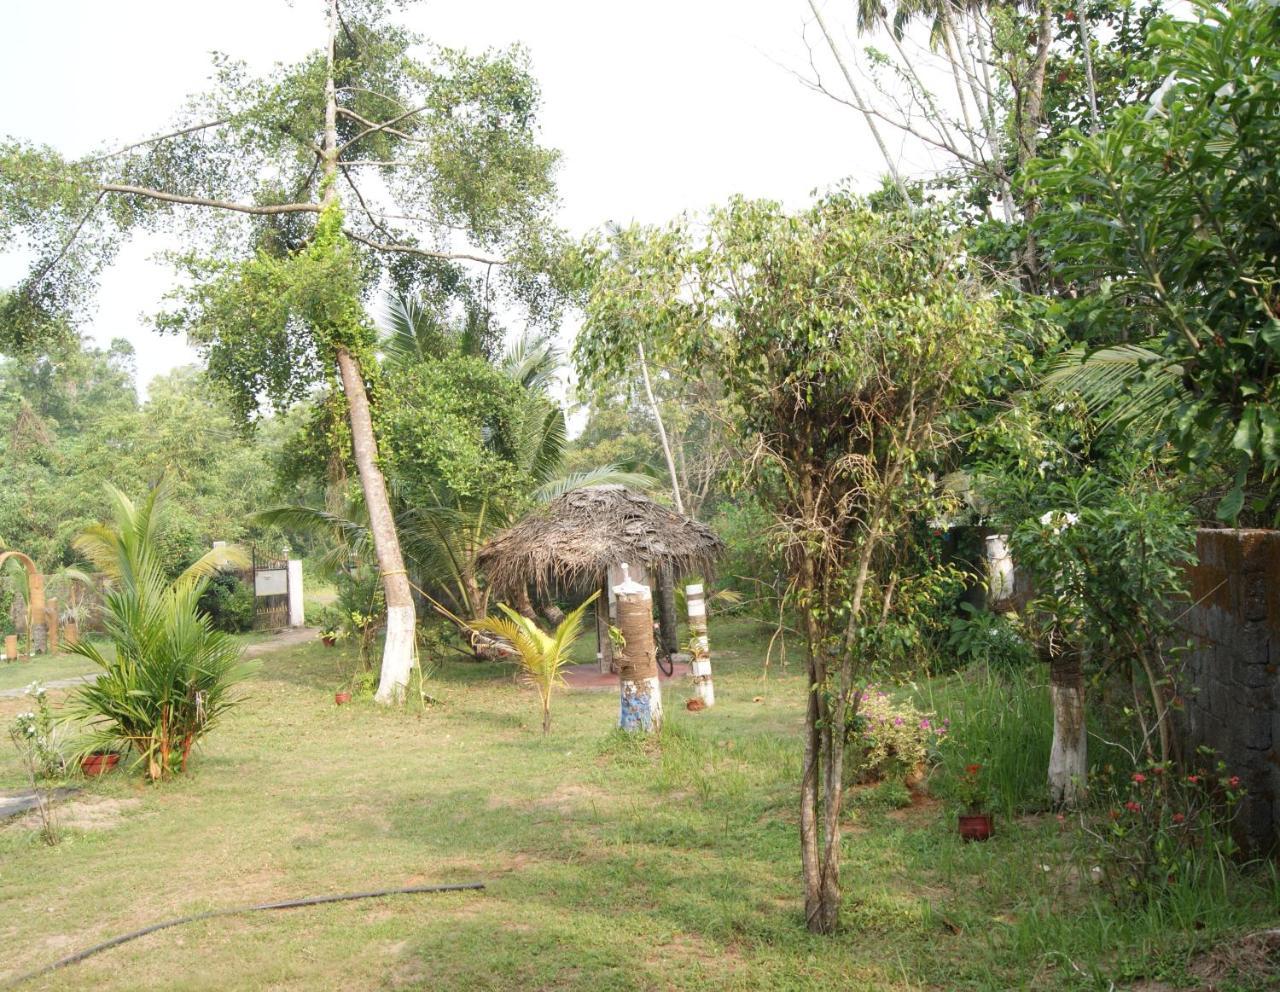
1252	961
923	809
89	813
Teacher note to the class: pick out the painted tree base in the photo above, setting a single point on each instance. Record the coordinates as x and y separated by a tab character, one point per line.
640	708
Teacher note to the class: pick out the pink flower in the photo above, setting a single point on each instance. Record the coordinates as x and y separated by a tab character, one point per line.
1133	807
1234	781
1178	818
1193	779
1139	777
924	724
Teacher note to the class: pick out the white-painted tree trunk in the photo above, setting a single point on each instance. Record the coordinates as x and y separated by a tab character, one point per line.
1068	758
700	666
397	655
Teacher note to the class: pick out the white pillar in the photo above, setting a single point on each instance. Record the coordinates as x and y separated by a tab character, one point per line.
700	666
296	615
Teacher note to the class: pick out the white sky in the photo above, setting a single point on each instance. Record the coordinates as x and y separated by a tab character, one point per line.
656	107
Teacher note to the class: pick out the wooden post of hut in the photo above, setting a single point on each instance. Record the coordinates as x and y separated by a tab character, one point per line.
604	645
700	666
639	691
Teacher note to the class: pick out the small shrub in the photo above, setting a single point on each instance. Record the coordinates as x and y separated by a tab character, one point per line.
169	678
1161	827
890	739
228	603
892	793
983	637
39	745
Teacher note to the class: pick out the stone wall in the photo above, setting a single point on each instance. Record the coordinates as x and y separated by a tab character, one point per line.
1230	686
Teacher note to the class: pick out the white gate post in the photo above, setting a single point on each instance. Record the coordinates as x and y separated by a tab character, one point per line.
297	617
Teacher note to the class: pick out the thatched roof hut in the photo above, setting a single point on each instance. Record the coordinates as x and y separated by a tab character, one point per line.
573	541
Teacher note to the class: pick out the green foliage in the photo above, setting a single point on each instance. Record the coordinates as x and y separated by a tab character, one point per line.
541	656
1001	721
168	681
78	425
979	636
890	738
270	325
228	603
1171	211
1156	829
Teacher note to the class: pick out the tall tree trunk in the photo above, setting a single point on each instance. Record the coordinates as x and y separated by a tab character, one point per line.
1068	758
1029	141
397	651
662	431
863	107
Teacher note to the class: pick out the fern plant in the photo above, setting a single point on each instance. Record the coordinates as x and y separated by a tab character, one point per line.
169	679
541	656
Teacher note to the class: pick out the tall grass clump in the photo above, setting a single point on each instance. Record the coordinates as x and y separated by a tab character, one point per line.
168	681
1000	720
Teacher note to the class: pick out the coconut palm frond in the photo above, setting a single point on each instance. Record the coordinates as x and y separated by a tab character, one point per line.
603	475
412	332
1121	384
532	361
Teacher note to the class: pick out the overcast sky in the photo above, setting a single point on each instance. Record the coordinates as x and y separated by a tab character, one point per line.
656	107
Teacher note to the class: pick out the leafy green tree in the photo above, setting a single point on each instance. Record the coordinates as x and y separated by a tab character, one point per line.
844	338
302	190
1166	220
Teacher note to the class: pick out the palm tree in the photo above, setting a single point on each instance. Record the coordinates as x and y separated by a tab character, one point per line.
541	656
168	681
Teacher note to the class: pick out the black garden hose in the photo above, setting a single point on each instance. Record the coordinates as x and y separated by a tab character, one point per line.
286	904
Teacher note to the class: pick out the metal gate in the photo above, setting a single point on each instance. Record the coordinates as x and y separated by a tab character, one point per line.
270	592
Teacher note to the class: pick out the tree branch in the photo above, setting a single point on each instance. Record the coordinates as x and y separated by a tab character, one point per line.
425	252
152	141
372	128
200	201
66	246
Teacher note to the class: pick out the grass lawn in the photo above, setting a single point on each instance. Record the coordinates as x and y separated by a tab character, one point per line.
49	668
610	863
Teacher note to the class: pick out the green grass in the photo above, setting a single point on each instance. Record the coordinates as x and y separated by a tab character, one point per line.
50	668
611	862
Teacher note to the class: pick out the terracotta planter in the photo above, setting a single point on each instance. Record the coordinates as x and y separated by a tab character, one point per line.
93	765
341	697
328	641
976	826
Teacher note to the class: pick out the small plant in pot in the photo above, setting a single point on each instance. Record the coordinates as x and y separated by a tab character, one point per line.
331	627
972	791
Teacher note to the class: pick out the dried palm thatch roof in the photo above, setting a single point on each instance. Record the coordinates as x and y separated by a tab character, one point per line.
573	540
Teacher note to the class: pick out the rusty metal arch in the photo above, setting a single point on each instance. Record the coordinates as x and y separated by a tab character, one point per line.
36	605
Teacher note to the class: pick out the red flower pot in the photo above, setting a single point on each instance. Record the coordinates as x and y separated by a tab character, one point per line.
93	765
329	641
341	697
976	826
